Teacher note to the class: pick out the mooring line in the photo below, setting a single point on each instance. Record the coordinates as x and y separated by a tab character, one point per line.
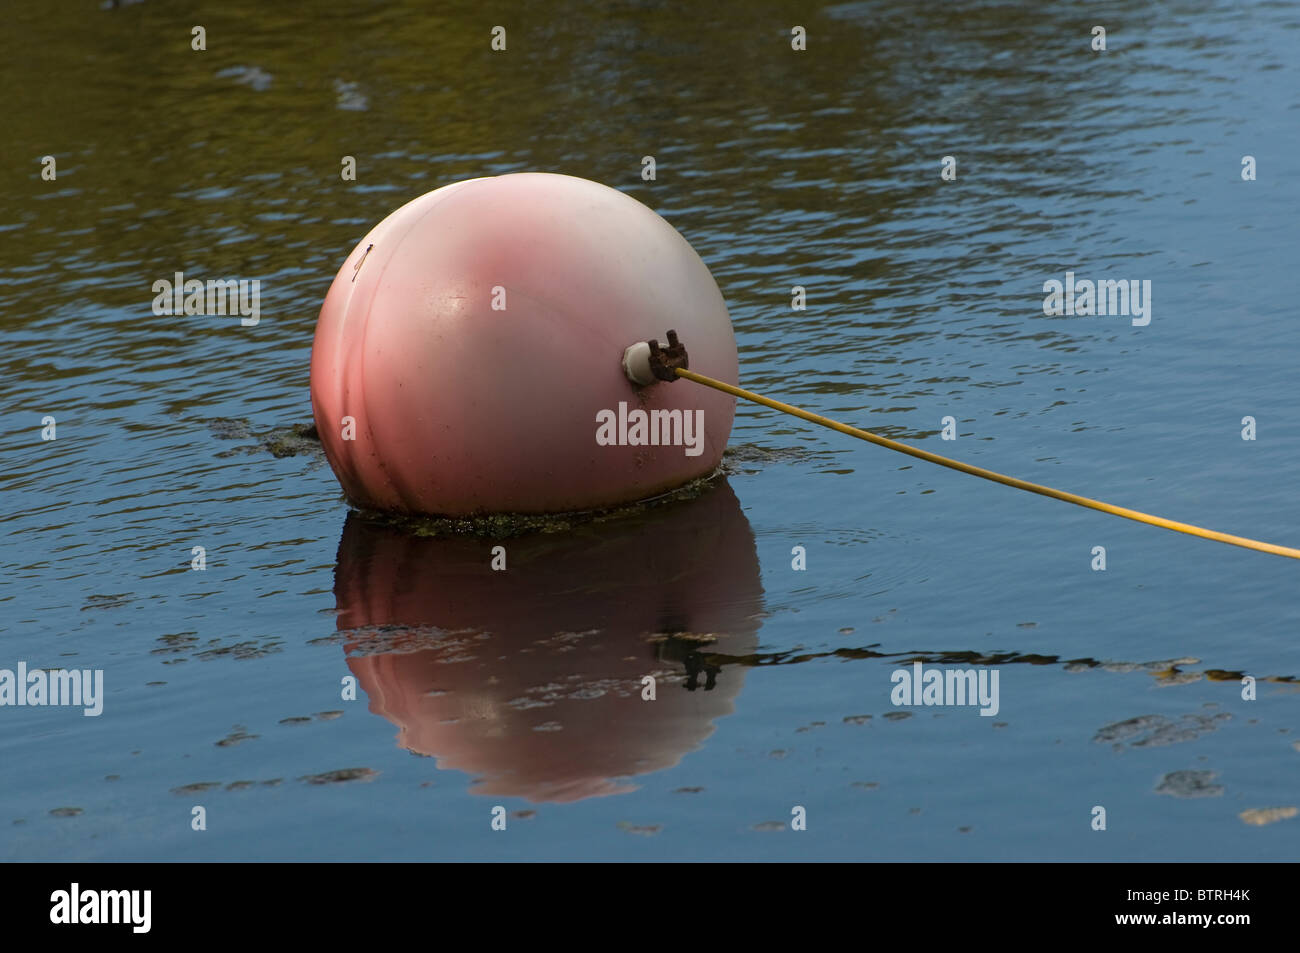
1041	490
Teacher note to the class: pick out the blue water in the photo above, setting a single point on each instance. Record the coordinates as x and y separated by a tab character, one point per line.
925	297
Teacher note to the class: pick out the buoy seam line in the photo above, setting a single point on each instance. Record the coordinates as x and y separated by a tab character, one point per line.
1135	515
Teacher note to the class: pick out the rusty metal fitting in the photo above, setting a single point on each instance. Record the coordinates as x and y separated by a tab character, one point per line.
646	362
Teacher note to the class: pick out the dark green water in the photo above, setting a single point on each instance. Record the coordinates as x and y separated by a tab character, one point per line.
818	168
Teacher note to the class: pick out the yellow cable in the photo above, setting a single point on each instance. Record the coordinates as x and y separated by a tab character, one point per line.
1147	518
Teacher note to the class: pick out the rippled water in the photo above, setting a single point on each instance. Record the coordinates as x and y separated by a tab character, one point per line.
1118	688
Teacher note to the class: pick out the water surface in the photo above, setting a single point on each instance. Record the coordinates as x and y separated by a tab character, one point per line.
820	169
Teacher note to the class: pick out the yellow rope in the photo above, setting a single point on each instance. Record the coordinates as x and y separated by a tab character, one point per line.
1147	518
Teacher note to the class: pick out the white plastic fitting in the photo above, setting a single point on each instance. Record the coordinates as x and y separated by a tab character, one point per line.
636	364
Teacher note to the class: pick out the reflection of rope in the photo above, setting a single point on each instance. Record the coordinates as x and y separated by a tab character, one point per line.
1147	518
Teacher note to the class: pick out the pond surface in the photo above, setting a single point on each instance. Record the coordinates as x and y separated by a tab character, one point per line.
223	688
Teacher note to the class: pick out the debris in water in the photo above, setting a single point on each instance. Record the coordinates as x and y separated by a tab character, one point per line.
1259	816
235	737
1189	784
341	776
648	830
197	787
1152	731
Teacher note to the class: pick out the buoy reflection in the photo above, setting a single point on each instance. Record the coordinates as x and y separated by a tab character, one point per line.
531	679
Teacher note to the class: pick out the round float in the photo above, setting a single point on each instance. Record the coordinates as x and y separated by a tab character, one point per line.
469	356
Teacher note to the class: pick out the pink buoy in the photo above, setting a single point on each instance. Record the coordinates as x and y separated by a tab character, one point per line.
470	355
